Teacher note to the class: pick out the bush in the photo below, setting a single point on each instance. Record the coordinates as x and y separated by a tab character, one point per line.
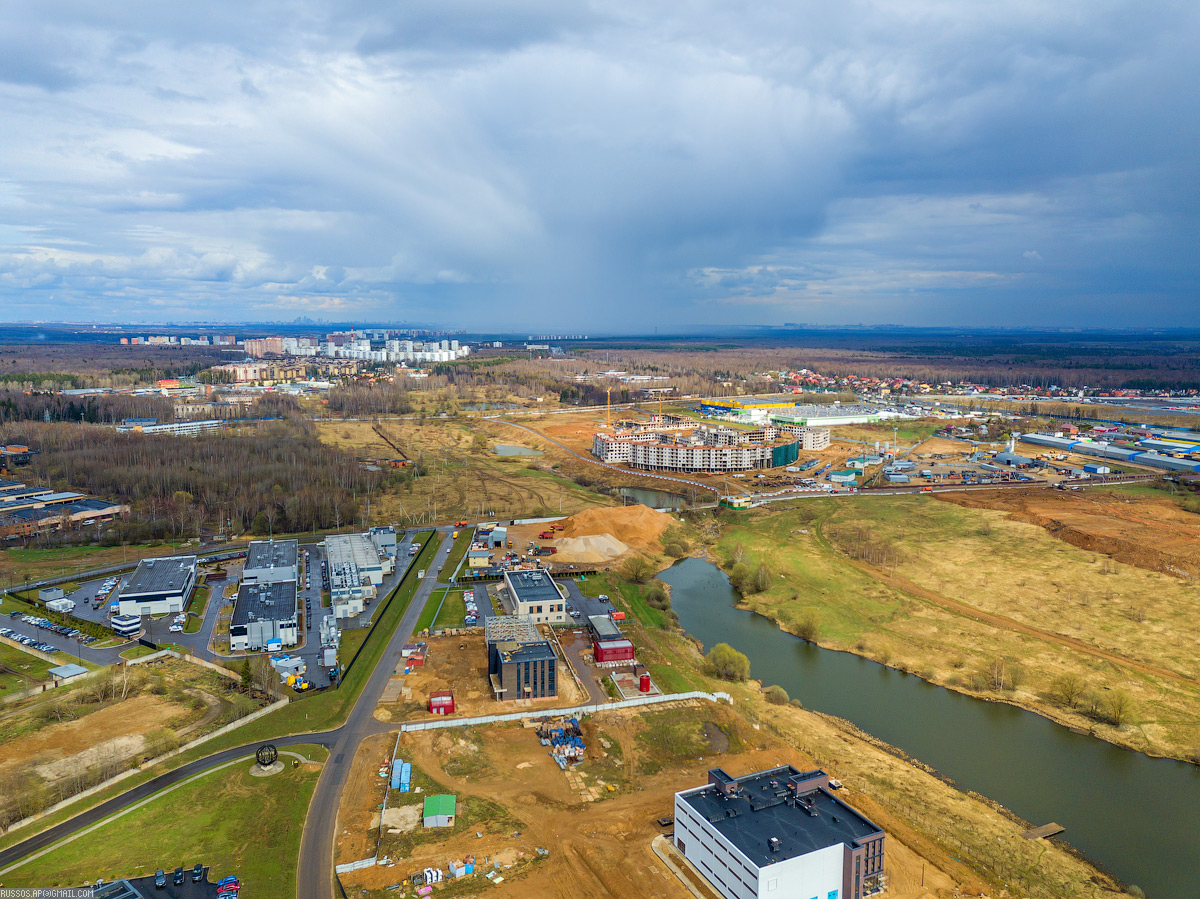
1066	689
727	663
762	579
796	704
739	578
657	598
776	695
809	626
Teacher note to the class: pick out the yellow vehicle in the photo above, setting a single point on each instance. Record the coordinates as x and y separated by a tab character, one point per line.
455	535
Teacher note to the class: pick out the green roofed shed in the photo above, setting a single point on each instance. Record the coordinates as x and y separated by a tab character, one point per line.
439	811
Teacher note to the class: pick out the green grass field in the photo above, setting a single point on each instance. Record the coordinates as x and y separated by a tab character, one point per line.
226	819
20	669
197	607
461	544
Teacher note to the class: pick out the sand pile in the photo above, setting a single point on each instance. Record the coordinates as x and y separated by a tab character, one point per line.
593	548
632	527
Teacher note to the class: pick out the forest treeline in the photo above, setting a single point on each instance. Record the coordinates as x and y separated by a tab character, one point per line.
272	477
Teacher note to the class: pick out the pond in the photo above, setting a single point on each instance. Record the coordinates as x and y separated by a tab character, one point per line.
655	499
507	449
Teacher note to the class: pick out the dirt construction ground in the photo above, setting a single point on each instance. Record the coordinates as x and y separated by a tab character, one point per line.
596	536
597	821
459	663
1147	532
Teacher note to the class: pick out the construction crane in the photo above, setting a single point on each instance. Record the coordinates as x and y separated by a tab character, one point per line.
608	408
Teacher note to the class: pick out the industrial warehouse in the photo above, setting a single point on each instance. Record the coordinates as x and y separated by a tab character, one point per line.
1152	452
264	617
271	562
356	569
778	832
702	449
159	586
26	511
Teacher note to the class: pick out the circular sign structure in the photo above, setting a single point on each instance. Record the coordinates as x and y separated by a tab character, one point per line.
267	755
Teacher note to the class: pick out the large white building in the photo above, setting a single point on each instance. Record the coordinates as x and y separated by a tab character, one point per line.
778	834
356	569
534	593
159	586
264	612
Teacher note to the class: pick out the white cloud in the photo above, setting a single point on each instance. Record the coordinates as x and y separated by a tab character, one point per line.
612	166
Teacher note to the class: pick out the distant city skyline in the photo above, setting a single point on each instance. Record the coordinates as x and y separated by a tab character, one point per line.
536	166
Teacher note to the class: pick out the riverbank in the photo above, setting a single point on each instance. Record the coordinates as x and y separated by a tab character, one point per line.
970	838
1002	612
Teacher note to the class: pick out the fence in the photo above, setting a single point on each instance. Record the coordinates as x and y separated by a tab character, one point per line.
577	710
412	563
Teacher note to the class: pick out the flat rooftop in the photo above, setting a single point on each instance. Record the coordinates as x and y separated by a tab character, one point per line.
265	602
272	554
761	808
533	586
352	549
604	627
526	652
153	576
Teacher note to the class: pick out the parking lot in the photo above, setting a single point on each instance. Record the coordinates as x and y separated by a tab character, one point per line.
170	890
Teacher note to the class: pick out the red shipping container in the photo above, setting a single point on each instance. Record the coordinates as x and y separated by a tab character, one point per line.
441	702
613	651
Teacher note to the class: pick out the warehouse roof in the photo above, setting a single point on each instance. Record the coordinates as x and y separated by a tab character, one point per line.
761	808
168	575
272	554
604	628
265	602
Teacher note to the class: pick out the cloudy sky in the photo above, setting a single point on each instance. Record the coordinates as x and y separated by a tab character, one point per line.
601	166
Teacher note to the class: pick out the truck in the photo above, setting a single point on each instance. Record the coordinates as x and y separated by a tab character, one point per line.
545	551
546	535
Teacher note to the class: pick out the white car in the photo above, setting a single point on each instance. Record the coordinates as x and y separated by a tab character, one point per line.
176	628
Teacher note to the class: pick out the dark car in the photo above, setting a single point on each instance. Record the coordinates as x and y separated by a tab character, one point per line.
160	879
178	878
197	873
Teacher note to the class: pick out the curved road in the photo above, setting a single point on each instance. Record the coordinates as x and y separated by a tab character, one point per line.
315	870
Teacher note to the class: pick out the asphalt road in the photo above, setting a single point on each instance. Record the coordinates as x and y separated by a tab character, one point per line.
316	852
315	876
149	788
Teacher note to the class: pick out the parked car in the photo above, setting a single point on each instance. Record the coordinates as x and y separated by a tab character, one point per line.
160	879
178	878
197	872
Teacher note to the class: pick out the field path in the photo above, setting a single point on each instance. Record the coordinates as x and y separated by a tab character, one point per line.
1003	622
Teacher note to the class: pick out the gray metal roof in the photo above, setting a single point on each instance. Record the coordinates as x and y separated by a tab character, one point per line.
761	810
156	576
265	602
272	554
604	628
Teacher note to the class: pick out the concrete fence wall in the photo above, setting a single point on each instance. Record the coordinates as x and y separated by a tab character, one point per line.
441	721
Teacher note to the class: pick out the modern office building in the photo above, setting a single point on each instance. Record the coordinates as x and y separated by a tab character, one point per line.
384	539
271	562
535	594
521	663
356	569
263	613
776	834
159	586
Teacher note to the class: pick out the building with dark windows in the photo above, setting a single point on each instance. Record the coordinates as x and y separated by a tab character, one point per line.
778	834
521	662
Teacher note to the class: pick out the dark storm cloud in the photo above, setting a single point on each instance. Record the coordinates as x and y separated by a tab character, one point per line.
613	165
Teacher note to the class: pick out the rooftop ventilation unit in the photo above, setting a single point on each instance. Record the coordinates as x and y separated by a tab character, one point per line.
774	844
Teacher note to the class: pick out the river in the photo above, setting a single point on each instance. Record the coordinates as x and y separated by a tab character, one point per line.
1136	816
